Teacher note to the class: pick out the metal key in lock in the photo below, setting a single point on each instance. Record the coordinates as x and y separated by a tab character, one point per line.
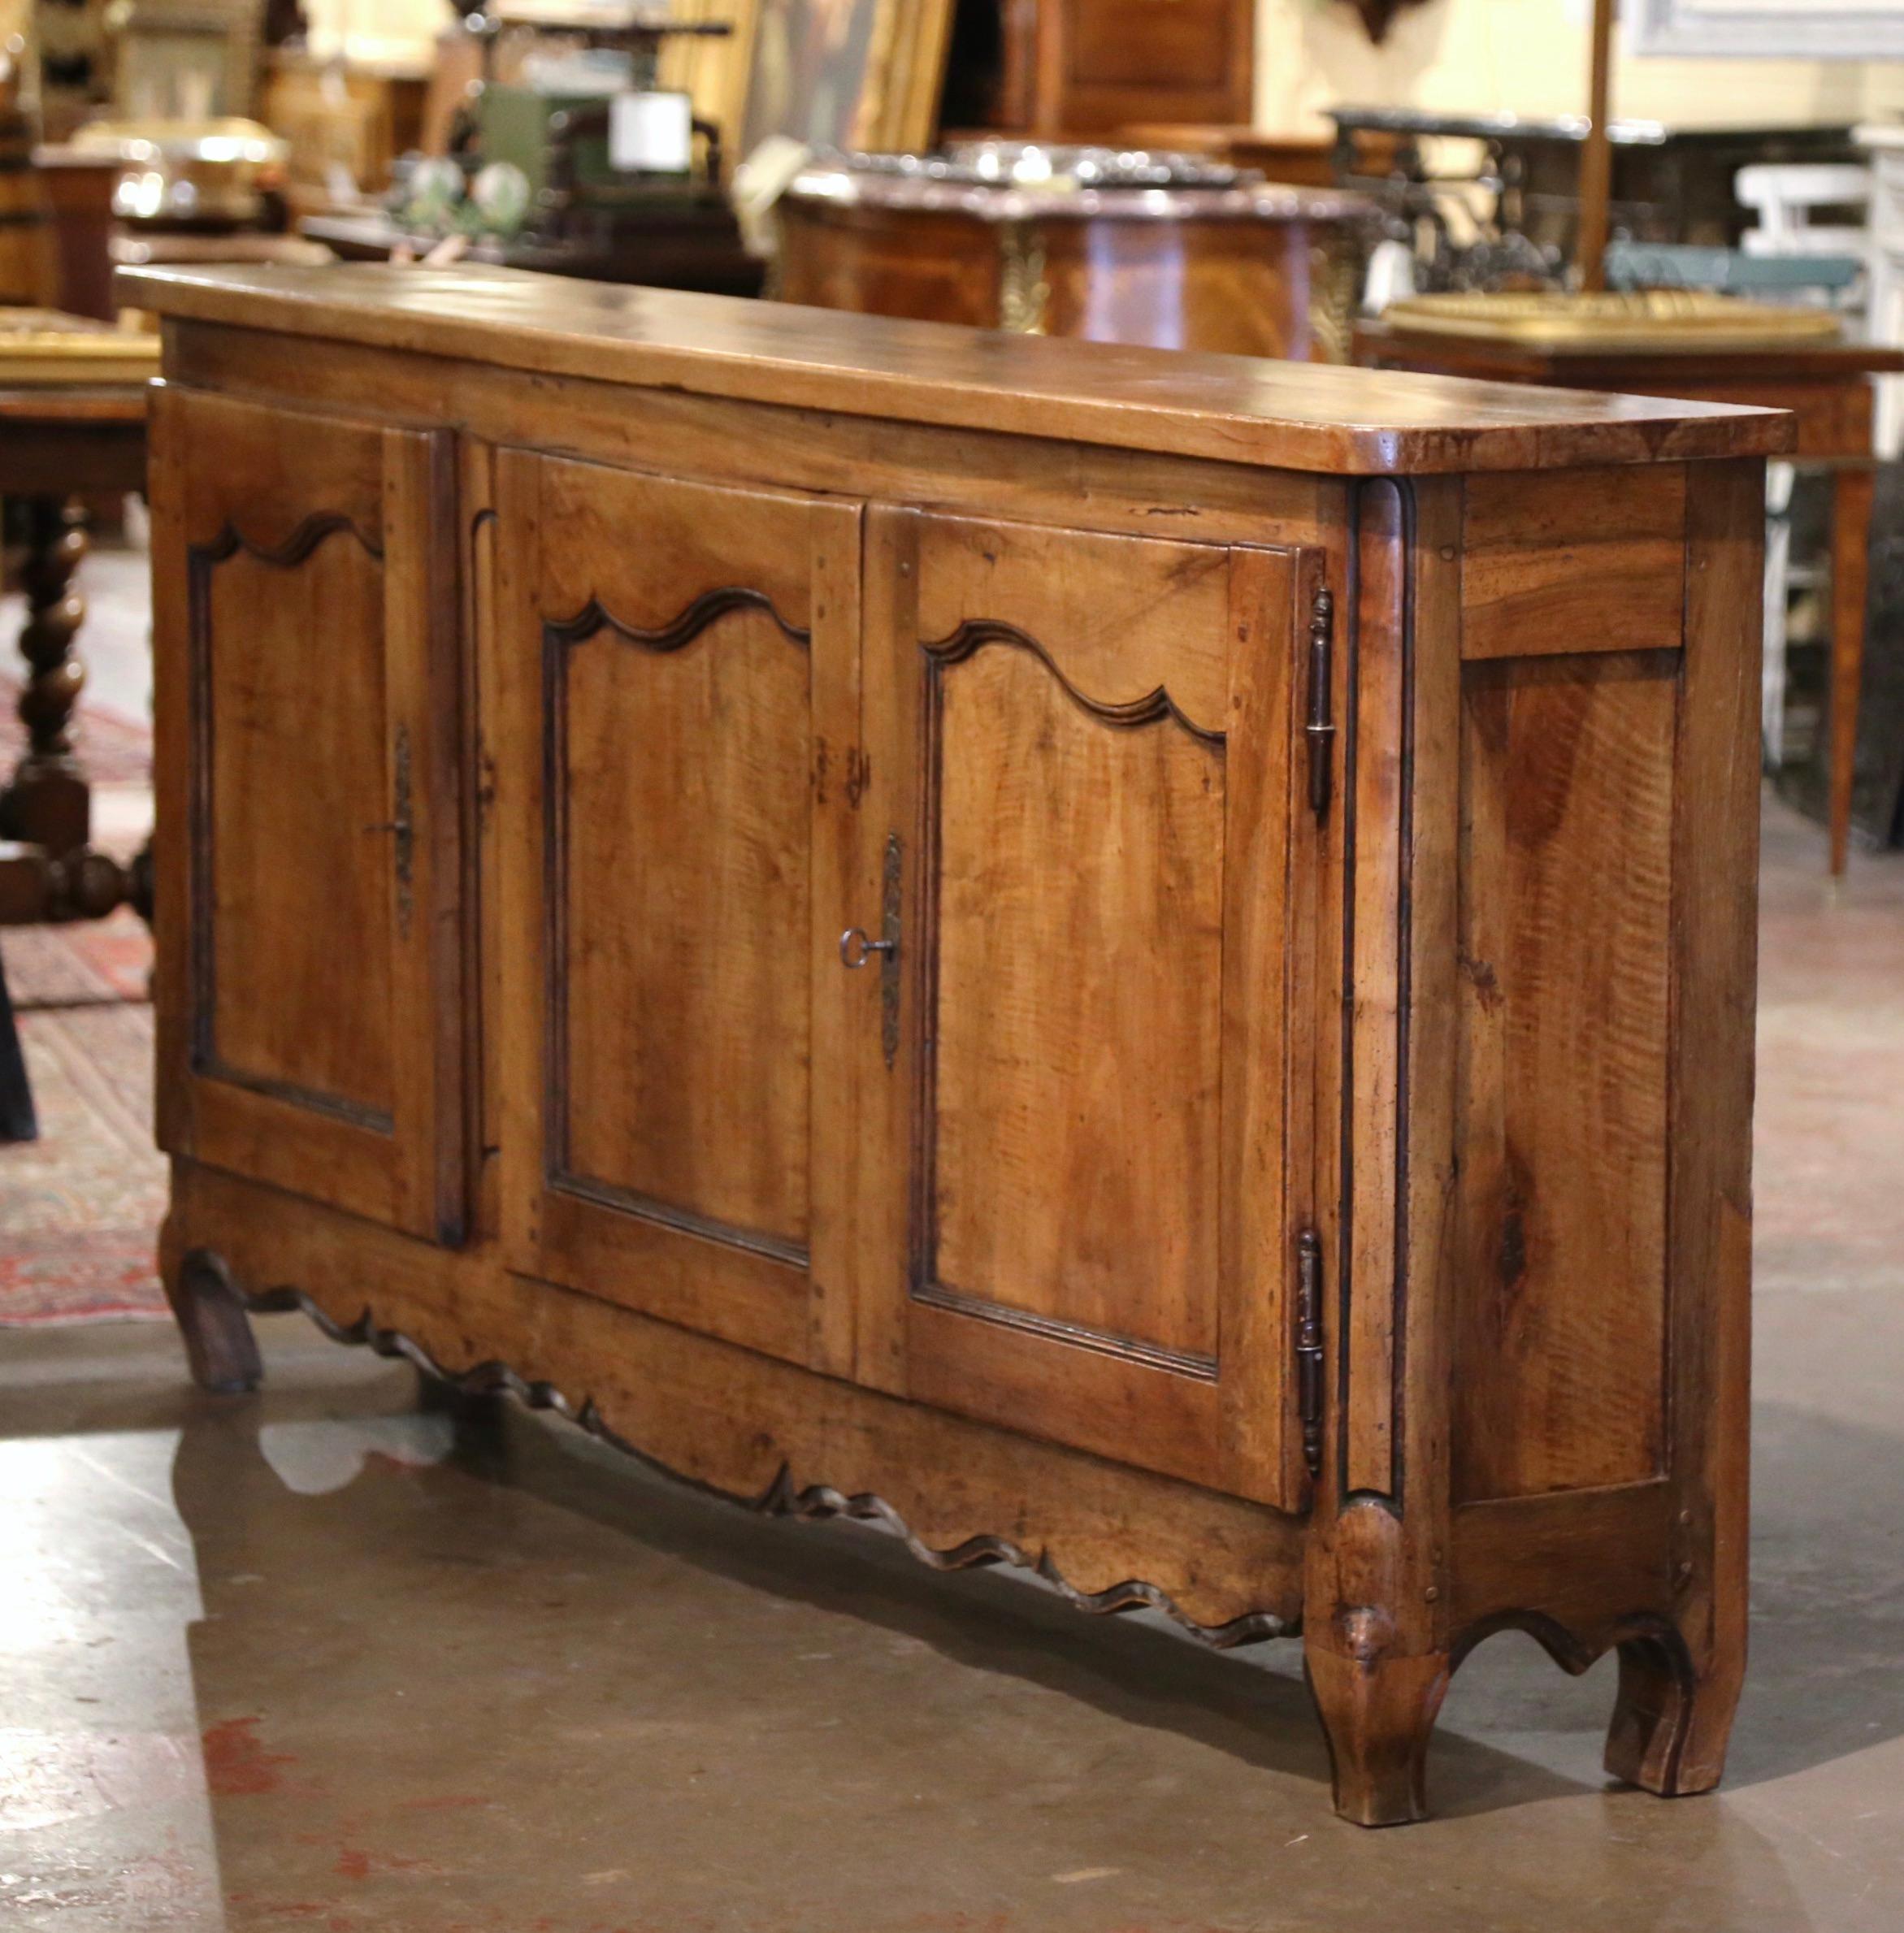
857	947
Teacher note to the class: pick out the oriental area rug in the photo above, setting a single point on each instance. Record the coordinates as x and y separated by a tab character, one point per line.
80	1207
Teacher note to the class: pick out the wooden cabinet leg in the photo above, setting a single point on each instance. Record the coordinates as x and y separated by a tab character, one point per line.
1377	1712
211	1316
1672	1721
47	804
1851	502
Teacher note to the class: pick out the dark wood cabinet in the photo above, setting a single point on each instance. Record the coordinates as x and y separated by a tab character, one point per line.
1139	964
1103	64
1068	68
1100	249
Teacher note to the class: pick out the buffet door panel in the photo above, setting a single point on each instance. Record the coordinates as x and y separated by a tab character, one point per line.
308	888
680	666
1076	1220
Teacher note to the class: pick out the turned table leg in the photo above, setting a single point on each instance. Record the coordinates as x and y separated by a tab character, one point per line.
47	804
1852	490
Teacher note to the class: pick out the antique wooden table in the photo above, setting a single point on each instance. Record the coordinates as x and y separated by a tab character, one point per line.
692	247
1140	964
59	442
1828	387
1300	160
56	441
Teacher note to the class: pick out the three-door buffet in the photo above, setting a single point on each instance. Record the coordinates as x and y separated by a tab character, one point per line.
1142	964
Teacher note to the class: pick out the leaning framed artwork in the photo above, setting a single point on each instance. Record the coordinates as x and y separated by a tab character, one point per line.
854	74
1777	29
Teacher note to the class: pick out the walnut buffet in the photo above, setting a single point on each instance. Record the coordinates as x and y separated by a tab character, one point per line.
1140	963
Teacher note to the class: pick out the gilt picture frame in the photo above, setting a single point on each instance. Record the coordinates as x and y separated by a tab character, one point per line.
852	74
186	60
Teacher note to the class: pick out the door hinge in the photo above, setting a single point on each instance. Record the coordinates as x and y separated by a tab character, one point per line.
1309	1346
1321	728
890	967
405	830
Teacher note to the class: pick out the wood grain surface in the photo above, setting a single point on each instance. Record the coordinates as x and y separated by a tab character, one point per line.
1076	1248
1299	416
304	624
1294	1160
1581	561
1567	884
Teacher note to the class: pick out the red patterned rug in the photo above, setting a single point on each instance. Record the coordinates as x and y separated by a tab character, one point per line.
79	965
80	1207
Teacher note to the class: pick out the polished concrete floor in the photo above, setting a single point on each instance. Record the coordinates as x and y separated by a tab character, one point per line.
327	1659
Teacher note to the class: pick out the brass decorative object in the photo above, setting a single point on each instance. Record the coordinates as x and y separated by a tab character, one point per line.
41	345
1024	295
1665	319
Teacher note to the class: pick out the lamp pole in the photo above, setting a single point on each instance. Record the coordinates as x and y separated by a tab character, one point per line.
1596	160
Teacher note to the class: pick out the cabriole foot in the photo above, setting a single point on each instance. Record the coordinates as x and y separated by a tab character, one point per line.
1671	1722
1377	1712
210	1311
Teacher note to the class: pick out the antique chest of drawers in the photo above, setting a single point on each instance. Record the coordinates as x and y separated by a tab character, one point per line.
1141	964
1113	246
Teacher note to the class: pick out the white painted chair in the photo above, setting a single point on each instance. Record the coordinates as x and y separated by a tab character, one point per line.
1779	479
1885	144
1786	198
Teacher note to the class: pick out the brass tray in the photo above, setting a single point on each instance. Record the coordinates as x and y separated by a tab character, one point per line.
40	345
1653	318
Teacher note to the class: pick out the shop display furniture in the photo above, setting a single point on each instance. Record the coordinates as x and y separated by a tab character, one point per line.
1136	964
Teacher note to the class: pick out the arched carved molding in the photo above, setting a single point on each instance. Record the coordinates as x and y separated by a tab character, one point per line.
817	1502
1670	1722
230	541
1155	704
1576	1652
680	631
784	1496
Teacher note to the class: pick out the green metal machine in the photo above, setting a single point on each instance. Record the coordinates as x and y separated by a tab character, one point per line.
588	127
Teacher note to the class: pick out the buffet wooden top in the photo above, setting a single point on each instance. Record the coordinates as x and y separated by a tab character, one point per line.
1300	416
